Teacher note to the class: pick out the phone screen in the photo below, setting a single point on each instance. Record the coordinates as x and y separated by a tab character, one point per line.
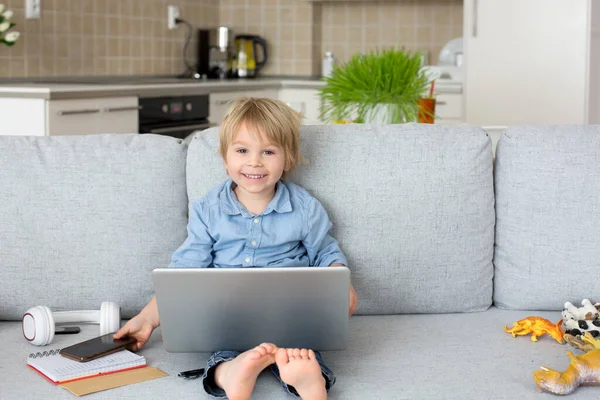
96	347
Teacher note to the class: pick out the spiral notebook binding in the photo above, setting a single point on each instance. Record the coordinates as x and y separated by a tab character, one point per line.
44	354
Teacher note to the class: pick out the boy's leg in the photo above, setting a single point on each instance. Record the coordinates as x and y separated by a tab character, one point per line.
231	374
208	379
328	375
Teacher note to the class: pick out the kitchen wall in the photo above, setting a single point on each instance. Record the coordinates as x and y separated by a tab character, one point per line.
130	37
299	32
101	37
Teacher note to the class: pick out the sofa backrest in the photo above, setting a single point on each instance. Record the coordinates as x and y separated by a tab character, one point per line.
412	207
547	247
84	219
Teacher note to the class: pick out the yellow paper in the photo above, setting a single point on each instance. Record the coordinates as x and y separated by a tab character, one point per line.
110	381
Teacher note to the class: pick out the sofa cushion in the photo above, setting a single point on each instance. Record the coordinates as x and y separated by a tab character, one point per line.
85	219
547	248
412	207
465	356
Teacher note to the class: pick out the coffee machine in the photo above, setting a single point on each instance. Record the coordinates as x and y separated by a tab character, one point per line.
215	51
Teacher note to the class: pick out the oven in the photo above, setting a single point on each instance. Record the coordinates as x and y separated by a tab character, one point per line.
176	116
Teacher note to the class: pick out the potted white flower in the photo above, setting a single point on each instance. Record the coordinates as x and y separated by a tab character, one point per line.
6	37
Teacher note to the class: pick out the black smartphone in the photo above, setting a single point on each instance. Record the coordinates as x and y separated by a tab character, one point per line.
96	347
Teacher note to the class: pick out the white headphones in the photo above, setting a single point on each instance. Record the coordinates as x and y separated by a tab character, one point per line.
39	322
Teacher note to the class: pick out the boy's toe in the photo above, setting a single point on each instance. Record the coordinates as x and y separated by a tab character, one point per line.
281	357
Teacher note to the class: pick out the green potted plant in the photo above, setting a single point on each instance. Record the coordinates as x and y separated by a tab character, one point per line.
382	86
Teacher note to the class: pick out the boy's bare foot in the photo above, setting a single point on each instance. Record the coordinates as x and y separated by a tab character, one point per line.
238	376
300	369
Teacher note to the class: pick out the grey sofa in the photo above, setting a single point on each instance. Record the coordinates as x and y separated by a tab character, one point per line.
445	246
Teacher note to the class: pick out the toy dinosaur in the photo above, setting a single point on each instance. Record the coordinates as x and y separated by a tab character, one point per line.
583	369
537	326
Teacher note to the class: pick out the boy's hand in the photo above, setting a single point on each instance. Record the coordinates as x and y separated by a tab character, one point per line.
139	328
353	303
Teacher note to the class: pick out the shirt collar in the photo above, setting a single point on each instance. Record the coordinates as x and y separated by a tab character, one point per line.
231	206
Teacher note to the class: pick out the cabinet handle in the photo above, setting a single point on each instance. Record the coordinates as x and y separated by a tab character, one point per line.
127	108
76	112
182	127
440	103
221	102
475	19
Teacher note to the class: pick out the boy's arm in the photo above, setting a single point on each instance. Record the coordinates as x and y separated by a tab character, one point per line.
196	250
322	249
353	303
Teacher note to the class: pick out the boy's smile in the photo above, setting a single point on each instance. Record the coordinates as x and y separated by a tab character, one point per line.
255	165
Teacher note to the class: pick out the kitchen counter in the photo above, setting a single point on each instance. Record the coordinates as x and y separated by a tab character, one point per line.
49	89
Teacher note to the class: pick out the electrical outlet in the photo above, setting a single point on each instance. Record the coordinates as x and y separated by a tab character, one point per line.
172	15
32	9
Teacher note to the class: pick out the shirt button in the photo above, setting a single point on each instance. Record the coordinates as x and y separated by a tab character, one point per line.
256	220
254	243
247	259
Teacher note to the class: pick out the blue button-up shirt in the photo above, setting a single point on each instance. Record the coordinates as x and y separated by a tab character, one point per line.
293	231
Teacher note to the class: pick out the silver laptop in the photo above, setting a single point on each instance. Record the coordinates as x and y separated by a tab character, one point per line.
211	309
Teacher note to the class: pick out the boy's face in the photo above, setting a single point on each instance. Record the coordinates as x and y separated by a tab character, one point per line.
254	165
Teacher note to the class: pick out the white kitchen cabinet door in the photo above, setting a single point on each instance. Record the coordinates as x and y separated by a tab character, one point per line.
526	61
119	115
219	102
304	101
448	109
92	116
22	117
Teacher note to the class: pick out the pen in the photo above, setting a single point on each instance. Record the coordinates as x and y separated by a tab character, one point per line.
191	374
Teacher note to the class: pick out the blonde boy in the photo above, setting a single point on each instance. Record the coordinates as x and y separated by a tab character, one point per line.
256	219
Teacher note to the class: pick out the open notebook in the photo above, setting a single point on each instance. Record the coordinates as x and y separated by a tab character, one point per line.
59	369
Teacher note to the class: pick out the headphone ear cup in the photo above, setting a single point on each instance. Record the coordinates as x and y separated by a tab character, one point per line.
38	325
110	317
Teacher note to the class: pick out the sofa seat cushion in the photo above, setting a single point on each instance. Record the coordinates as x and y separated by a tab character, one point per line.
441	356
85	219
412	207
547	247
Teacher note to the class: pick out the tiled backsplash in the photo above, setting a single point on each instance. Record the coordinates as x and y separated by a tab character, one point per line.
299	32
130	37
101	37
416	25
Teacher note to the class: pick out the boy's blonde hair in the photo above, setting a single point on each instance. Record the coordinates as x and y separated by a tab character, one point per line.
268	119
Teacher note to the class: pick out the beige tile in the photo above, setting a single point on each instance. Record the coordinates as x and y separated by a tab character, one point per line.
338	16
33	66
371	35
89	48
101	47
17	67
62	47
88	5
270	16
47	67
75	47
355	14
88	24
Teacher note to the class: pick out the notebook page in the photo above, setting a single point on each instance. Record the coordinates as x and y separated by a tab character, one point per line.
59	368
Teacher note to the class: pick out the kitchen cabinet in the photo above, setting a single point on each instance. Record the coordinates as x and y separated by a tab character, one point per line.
449	109
306	101
219	102
39	117
303	100
93	116
531	62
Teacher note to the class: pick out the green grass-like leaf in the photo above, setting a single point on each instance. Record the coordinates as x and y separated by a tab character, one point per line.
357	89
